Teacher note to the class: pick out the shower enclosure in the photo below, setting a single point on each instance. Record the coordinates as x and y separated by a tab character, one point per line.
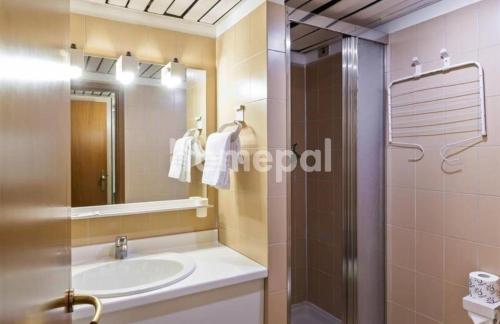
337	206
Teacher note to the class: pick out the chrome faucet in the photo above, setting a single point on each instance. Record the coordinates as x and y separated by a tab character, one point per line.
121	247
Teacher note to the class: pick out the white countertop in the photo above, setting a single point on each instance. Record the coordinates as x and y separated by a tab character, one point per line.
217	266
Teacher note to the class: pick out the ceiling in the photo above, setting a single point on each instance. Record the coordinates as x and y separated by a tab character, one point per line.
203	11
365	13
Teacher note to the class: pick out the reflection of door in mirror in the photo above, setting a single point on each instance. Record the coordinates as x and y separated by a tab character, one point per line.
91	151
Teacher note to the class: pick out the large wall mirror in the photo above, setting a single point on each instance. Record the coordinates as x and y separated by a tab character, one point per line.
122	136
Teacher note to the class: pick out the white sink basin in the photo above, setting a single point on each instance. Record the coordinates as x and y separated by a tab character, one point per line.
131	276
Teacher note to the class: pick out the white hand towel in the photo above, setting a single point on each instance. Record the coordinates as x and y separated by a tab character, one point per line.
180	165
220	157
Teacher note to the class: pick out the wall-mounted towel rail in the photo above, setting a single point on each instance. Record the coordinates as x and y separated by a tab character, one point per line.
239	122
456	108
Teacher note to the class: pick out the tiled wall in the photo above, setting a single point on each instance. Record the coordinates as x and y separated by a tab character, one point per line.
153	116
324	219
104	230
443	219
242	80
111	38
317	248
251	71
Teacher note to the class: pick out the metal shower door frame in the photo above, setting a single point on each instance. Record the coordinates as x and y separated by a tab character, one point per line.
349	174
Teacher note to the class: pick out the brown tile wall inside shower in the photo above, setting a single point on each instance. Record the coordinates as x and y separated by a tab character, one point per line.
316	214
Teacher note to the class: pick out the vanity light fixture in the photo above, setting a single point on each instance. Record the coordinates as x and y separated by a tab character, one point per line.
173	75
77	62
126	68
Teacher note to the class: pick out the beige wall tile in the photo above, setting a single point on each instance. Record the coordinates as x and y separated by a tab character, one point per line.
401	171
429	254
104	229
402	47
430	296
460	212
460	259
258	76
402	207
79	232
397	314
276	73
493	115
276	126
489	172
258	30
277	279
402	247
463	177
488	221
275	27
461	30
454	312
429	211
277	220
422	319
488	258
488	58
276	307
430	42
489	31
429	174
402	287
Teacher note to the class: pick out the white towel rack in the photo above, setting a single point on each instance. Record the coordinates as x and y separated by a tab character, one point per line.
407	107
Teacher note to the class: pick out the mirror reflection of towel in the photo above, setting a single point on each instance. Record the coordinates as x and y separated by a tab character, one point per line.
197	152
188	152
180	165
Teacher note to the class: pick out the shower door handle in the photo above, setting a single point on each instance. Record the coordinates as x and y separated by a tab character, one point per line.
294	150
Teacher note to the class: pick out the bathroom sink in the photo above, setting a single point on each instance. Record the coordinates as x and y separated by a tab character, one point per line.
131	276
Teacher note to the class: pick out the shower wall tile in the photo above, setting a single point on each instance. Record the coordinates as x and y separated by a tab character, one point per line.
323	86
